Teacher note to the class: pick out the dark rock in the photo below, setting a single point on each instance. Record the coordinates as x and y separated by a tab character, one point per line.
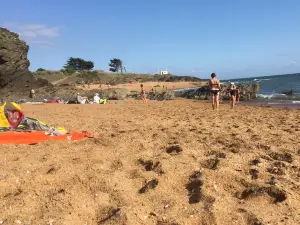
253	220
174	149
221	155
148	185
248	91
211	164
278	195
272	181
254	173
151	165
286	157
14	73
162	96
254	162
194	187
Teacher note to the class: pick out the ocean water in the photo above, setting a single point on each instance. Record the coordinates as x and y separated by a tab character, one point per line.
273	88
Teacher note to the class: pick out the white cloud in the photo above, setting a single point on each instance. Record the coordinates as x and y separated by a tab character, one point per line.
292	63
27	34
36	30
35	33
196	70
43	43
48	32
33	26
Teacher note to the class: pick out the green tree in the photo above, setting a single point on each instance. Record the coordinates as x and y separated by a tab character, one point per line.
40	69
116	65
78	64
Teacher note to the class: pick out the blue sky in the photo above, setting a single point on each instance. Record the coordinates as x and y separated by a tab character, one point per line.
233	38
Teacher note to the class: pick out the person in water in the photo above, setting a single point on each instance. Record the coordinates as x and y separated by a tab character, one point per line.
233	93
143	94
215	87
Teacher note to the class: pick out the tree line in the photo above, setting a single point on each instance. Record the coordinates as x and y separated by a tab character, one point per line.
78	65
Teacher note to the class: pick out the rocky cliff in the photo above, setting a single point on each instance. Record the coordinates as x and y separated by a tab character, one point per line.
14	74
247	92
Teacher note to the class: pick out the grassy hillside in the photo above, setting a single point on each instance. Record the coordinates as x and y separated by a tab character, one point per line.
97	77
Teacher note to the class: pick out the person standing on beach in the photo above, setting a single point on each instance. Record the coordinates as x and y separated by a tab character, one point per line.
32	93
232	95
143	94
238	94
214	85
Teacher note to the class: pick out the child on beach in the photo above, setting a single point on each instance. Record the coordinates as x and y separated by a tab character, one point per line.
215	87
233	92
32	93
143	94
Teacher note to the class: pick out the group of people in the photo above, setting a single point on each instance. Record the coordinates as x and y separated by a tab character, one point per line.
214	85
215	88
85	100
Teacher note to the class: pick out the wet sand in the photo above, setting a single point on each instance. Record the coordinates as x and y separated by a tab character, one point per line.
272	104
173	162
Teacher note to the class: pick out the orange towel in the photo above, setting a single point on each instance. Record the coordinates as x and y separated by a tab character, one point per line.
37	137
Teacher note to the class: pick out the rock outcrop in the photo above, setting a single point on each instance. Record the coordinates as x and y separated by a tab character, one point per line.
14	73
169	95
247	92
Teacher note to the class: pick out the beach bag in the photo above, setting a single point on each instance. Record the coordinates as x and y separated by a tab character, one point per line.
102	101
37	125
33	124
10	115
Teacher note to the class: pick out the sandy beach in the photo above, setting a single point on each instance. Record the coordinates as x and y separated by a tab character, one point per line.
158	86
162	163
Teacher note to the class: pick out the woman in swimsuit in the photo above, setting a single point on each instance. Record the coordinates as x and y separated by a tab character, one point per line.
143	94
233	92
215	87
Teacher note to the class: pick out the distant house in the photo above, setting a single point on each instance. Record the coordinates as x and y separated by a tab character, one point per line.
164	72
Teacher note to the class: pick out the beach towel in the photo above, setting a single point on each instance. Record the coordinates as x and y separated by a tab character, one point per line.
34	137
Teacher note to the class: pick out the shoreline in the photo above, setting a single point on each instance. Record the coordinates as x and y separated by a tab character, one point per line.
271	104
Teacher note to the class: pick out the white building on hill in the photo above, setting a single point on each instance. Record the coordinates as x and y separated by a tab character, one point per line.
164	72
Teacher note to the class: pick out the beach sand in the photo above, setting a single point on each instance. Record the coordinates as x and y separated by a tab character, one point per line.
148	86
202	166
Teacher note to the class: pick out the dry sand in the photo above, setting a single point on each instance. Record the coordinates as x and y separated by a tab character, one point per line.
147	85
224	159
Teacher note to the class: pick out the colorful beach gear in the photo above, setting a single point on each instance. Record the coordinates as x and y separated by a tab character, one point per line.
16	128
10	115
34	137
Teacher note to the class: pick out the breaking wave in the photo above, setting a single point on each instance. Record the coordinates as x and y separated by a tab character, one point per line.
294	98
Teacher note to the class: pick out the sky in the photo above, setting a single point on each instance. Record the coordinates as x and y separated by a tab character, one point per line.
233	38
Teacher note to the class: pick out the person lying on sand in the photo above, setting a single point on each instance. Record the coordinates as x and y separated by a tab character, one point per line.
82	100
232	95
215	87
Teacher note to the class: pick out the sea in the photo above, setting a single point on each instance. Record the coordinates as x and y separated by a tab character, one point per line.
276	91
